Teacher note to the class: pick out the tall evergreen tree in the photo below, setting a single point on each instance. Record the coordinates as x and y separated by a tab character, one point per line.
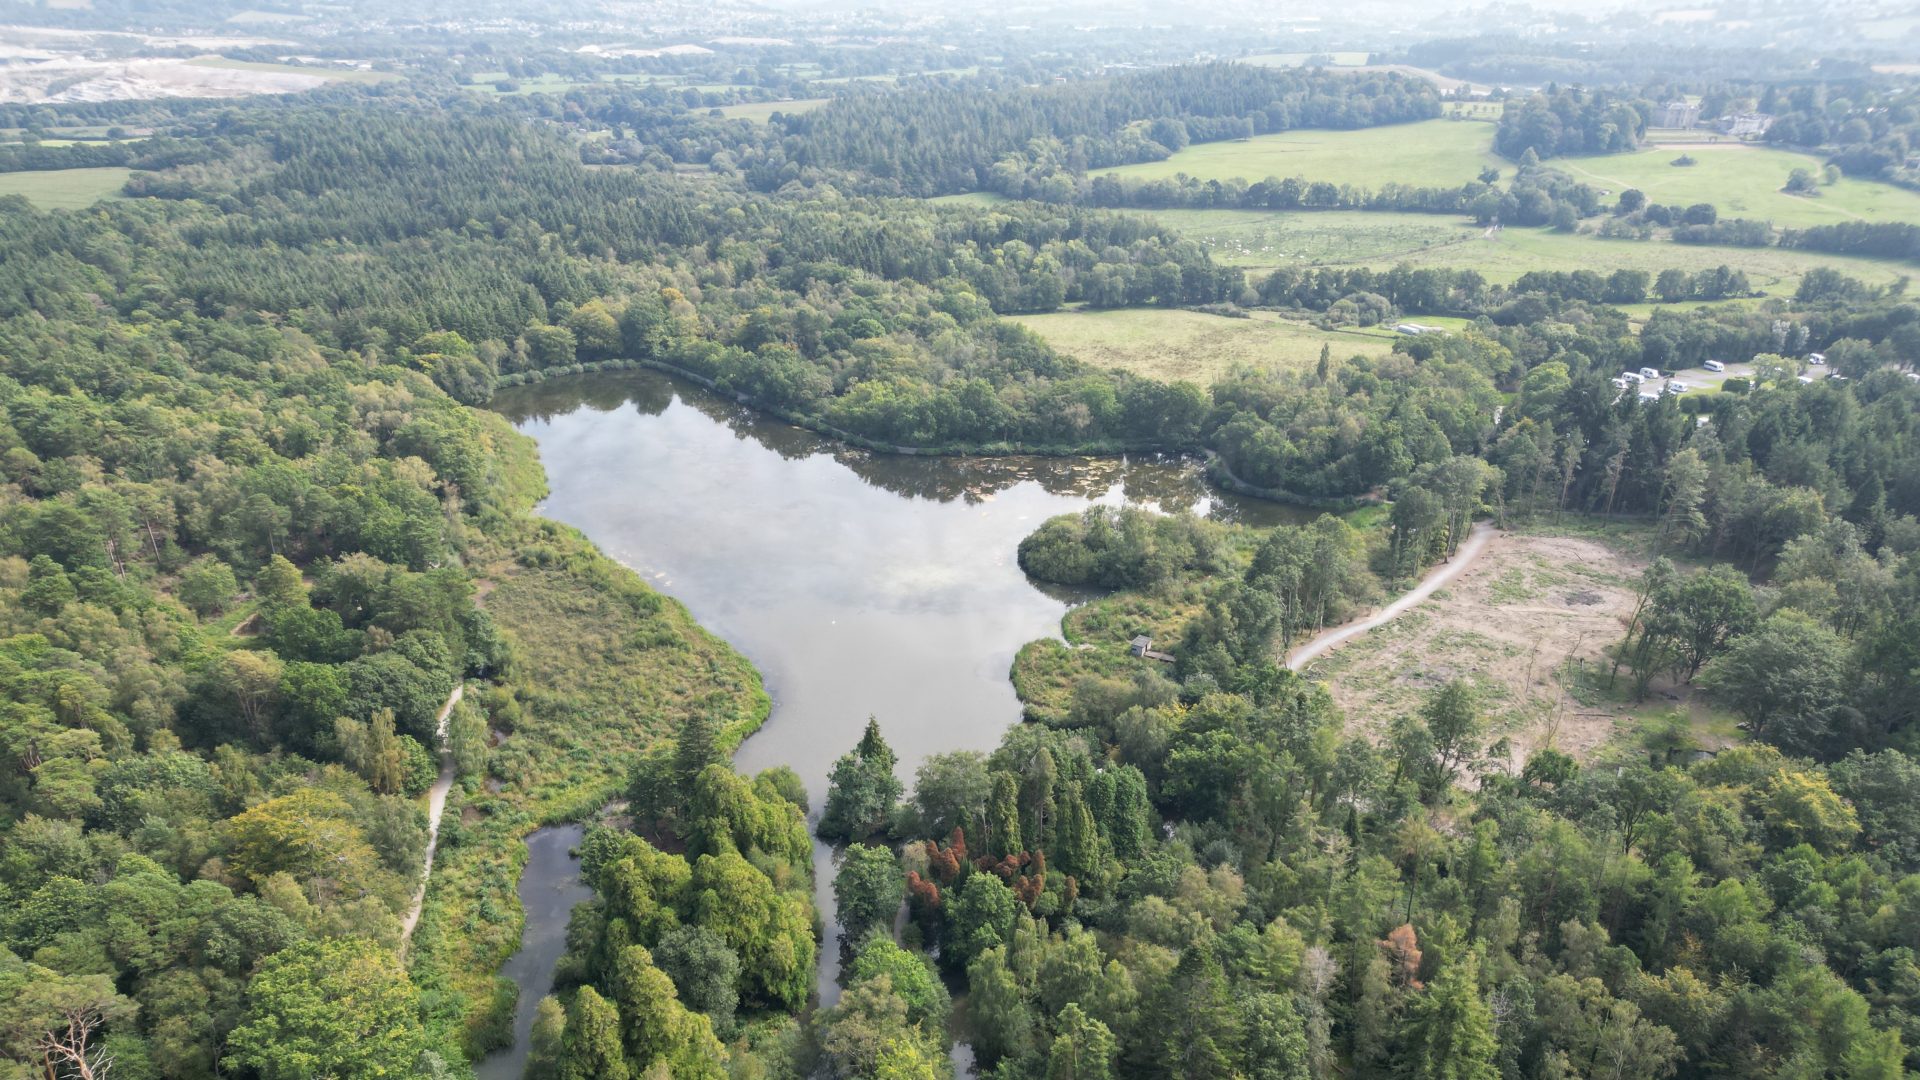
862	790
591	1049
696	746
1082	1049
1003	817
1452	1037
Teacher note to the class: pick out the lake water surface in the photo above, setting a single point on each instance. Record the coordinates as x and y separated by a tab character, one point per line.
857	584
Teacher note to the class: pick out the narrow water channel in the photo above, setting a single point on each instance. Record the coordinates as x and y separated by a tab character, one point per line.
550	886
857	584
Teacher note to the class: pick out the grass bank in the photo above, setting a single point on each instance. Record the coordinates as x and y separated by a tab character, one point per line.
603	666
1174	343
1260	240
65	189
1743	180
1429	153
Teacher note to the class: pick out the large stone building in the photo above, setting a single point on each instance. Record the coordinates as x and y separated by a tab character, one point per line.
1679	113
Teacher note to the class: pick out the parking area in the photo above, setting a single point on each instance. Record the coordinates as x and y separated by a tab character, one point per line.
1699	378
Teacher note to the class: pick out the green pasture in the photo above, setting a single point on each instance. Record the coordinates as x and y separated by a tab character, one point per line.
65	189
1264	240
969	198
761	111
1430	153
1173	343
1743	180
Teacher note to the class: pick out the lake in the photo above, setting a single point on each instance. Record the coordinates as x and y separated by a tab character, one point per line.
858	584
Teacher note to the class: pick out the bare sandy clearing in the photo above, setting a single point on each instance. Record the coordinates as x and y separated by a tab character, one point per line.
68	80
1514	623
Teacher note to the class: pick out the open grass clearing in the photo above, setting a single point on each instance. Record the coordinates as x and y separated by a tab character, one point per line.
1173	343
1430	153
1519	625
1742	180
75	132
65	189
761	111
1266	239
970	198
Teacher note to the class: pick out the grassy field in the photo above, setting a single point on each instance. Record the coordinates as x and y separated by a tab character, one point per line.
1260	240
760	111
1264	239
1742	180
1520	625
65	189
1431	153
969	198
1170	344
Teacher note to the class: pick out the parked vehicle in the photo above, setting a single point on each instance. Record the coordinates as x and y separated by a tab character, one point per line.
1632	377
1621	383
1808	379
1675	386
1714	365
1649	373
1816	358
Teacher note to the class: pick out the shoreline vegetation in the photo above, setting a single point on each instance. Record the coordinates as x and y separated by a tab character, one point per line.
620	634
1217	471
255	527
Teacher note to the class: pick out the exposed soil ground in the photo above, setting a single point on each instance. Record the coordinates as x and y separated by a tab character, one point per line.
1521	623
66	80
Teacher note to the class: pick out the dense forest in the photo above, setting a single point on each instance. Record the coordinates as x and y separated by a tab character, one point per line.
1205	873
240	588
266	575
940	141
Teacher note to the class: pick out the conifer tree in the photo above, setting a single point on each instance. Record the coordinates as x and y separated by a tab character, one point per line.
1453	1027
591	1049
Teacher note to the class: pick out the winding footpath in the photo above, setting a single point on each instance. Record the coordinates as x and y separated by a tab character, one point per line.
1319	646
436	805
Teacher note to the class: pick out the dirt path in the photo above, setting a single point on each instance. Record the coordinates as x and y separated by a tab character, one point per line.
1304	654
1532	612
436	804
